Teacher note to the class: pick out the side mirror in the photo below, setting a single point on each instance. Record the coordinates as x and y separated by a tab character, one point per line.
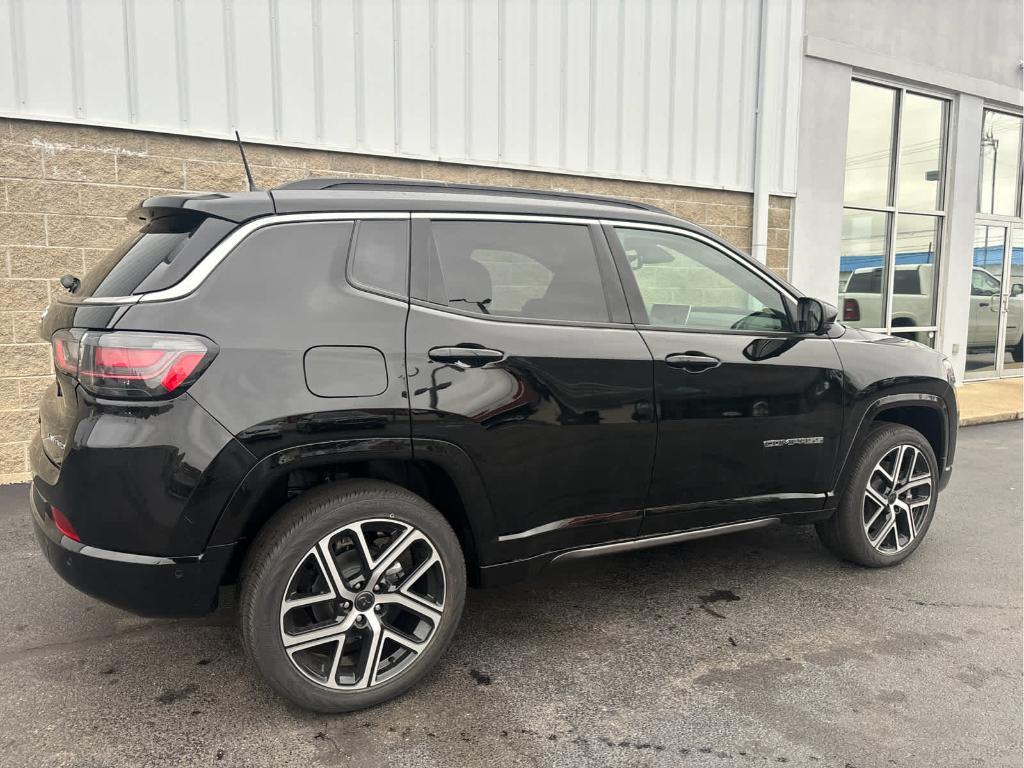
1017	289
813	315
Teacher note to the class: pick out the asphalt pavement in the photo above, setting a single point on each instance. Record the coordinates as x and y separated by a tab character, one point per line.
751	649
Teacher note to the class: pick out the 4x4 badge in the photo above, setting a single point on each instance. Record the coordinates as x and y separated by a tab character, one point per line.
785	441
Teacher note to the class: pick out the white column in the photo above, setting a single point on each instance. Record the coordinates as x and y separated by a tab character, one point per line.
961	206
821	173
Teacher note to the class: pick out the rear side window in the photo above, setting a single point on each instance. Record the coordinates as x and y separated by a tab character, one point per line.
865	282
380	257
162	253
522	270
907	281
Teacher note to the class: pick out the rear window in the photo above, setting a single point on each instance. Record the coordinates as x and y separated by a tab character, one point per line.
162	253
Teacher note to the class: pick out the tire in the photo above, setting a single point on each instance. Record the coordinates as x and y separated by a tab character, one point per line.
332	663
1017	351
855	531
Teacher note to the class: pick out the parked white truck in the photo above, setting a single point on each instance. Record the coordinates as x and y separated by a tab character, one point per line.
914	302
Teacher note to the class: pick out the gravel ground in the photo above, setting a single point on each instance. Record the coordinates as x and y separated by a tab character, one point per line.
751	649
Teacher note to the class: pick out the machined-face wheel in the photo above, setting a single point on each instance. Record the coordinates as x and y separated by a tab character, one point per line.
363	604
897	498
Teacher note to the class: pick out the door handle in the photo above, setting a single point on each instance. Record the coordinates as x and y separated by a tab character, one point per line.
465	357
693	362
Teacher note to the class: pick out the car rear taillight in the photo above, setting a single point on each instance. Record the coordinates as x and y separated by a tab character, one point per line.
130	365
63	524
851	309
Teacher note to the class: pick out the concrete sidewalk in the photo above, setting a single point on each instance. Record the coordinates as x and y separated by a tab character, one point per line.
985	402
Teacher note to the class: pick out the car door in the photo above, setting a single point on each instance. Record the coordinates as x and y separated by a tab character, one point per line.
749	412
520	352
985	289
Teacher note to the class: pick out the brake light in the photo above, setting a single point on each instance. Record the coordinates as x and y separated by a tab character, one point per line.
851	309
63	524
65	352
126	364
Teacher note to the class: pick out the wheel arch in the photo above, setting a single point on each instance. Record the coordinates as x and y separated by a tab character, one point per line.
924	413
439	472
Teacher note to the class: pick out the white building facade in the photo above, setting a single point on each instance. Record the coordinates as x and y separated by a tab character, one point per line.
908	205
894	125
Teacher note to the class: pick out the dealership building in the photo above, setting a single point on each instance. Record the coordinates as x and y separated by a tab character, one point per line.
869	151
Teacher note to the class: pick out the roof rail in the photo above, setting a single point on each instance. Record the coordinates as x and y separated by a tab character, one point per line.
384	185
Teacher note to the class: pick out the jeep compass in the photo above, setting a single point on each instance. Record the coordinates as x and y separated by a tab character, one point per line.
353	399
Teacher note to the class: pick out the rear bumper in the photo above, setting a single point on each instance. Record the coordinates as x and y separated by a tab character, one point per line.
143	584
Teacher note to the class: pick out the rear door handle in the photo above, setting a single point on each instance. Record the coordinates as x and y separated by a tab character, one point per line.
465	357
693	362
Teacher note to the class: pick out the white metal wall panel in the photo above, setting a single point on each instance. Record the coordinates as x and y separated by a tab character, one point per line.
46	70
101	62
338	72
203	28
647	89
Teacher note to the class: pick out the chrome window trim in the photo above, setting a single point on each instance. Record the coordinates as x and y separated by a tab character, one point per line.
219	252
526	217
755	269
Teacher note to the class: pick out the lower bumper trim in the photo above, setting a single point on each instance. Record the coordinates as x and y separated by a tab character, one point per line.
143	584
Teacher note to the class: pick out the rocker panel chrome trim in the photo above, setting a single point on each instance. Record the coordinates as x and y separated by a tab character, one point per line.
657	541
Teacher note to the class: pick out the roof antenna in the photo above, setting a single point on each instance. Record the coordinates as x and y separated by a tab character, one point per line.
248	173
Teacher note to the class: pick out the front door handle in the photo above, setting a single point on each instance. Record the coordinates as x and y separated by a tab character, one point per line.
465	357
693	362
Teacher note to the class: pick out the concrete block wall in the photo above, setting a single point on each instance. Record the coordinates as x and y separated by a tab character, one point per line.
65	190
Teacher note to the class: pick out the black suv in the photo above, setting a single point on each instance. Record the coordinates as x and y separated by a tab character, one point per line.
352	399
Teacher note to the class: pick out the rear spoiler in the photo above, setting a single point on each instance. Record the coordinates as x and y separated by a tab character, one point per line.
233	206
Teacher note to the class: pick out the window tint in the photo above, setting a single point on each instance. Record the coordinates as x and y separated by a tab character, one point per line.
380	258
869	281
162	252
685	283
517	269
907	281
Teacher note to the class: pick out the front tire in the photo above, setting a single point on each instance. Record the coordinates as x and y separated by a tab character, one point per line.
889	500
1017	351
350	595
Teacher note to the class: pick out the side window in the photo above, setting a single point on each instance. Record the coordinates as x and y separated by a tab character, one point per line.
685	283
983	284
380	257
516	269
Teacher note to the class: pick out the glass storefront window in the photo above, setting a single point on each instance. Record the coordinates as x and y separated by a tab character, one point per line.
923	120
869	141
995	329
862	277
999	183
914	277
894	202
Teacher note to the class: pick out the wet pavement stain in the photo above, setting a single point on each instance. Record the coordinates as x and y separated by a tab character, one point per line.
717	596
172	695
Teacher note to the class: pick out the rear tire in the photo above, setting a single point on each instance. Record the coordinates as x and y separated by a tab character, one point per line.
350	595
1017	351
889	500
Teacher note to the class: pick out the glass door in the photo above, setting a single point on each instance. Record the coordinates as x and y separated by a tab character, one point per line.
996	324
